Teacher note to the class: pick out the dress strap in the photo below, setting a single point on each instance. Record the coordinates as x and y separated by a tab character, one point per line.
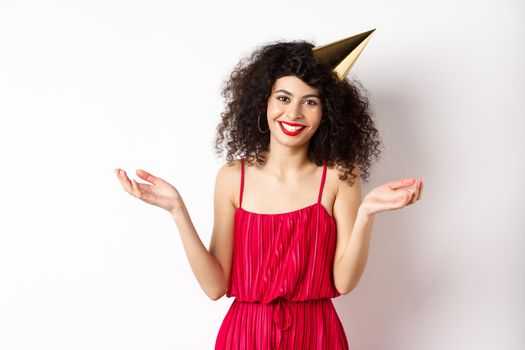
242	183
322	183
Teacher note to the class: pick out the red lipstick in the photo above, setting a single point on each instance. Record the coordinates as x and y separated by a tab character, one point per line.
291	133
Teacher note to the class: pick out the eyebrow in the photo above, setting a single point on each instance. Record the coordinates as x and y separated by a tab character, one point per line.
289	93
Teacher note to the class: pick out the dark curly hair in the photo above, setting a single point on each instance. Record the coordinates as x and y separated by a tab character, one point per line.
346	135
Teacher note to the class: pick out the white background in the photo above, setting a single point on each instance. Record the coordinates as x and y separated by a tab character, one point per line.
86	87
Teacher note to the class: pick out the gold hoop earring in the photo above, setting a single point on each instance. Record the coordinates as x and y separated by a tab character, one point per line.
258	121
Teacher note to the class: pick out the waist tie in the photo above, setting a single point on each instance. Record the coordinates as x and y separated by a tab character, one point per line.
282	318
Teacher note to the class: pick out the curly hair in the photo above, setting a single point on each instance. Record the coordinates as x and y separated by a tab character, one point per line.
346	135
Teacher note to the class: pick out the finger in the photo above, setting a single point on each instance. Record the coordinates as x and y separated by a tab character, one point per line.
416	191
119	174
145	192
403	200
406	200
135	188
401	183
413	197
144	175
141	191
125	182
411	193
420	188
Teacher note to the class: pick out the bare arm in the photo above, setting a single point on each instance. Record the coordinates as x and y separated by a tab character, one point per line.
355	218
350	266
354	230
211	267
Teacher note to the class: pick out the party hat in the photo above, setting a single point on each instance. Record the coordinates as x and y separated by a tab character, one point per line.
340	55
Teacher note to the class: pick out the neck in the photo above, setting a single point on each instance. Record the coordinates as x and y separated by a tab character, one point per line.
282	159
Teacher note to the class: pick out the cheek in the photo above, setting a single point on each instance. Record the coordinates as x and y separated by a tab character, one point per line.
274	110
316	119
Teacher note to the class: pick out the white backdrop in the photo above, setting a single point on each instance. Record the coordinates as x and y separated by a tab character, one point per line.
86	87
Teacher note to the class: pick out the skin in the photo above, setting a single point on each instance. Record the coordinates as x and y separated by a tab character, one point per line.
286	182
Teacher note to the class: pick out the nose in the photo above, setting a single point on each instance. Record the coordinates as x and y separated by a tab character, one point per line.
294	111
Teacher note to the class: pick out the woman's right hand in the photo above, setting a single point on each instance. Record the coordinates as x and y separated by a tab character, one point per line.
159	193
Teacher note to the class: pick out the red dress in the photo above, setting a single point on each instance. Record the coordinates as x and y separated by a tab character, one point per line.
282	281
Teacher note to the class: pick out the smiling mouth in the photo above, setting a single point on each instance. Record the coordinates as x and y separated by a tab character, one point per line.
290	129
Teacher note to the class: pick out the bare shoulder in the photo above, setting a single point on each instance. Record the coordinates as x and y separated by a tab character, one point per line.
347	197
346	205
333	174
228	179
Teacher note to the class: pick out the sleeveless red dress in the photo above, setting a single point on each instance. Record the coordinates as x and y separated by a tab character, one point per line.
282	281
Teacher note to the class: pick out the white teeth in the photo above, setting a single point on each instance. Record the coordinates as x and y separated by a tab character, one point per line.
291	128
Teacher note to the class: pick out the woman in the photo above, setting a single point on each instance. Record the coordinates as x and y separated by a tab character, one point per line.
293	133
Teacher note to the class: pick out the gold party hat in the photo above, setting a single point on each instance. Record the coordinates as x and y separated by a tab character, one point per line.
340	55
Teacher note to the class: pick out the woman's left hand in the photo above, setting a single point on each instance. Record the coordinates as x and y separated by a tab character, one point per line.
392	195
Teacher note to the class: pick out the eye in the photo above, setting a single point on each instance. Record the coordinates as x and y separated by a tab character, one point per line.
313	102
279	98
